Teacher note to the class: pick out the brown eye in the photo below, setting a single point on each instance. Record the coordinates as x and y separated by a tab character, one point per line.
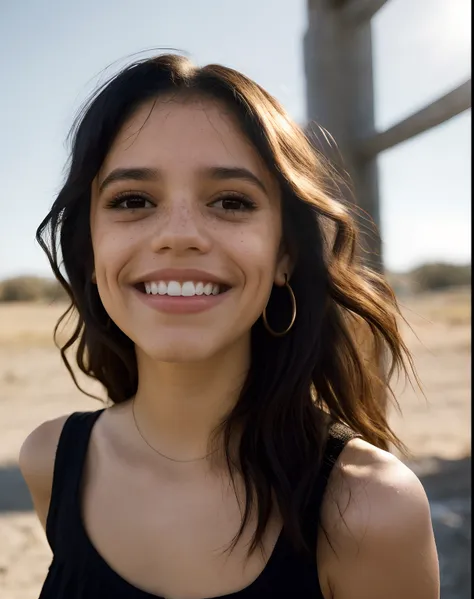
135	202
130	202
233	203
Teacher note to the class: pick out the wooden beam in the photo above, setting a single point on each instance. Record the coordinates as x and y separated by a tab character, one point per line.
443	109
355	12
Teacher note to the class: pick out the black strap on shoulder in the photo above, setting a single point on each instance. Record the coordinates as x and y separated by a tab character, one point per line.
338	437
68	466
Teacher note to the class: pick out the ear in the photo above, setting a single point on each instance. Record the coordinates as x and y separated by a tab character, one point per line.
283	270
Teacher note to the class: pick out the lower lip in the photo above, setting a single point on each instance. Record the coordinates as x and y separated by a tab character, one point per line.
179	304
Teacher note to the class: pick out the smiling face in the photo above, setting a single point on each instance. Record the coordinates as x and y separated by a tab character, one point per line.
186	231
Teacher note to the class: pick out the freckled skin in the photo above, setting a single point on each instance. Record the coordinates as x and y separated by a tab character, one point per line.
184	227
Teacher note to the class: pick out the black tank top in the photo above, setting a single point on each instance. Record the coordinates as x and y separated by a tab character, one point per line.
78	571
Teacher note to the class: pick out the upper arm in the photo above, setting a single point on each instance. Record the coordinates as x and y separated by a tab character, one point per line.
382	532
36	462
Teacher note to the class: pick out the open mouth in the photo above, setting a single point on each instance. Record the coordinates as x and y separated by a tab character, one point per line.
181	289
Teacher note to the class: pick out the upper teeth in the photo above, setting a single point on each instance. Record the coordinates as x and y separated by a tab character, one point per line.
187	288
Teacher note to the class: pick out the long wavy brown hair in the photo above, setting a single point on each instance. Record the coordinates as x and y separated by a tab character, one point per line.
319	372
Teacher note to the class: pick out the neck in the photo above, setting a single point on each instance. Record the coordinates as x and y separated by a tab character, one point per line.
178	405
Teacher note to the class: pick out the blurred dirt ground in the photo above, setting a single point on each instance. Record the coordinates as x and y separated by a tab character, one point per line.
34	386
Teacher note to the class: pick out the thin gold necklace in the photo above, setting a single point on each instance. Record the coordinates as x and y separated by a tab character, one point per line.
159	452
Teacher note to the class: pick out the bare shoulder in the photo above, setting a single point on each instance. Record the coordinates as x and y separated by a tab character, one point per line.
370	484
377	518
36	462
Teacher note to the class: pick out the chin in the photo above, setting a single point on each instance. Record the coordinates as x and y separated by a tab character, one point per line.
180	349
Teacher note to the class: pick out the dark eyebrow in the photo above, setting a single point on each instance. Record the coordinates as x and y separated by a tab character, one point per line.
127	174
221	173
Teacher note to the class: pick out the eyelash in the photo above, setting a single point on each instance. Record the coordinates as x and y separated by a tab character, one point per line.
119	199
247	203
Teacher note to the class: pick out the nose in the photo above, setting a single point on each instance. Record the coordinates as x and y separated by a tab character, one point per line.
180	229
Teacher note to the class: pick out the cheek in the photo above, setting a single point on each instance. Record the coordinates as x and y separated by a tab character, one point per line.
112	249
255	251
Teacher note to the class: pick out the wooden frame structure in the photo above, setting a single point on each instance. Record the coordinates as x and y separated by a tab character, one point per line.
340	98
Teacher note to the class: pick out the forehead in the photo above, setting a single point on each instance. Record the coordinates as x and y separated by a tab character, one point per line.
174	133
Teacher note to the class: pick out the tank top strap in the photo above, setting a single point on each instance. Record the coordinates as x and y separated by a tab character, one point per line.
68	467
338	436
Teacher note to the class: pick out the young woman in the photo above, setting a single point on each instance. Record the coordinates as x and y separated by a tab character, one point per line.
217	289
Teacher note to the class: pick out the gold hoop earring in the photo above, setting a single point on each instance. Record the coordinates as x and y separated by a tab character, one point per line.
293	316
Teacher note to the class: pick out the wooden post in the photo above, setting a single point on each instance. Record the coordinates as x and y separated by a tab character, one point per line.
340	98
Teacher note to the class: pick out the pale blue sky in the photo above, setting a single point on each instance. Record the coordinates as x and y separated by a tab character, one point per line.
53	52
